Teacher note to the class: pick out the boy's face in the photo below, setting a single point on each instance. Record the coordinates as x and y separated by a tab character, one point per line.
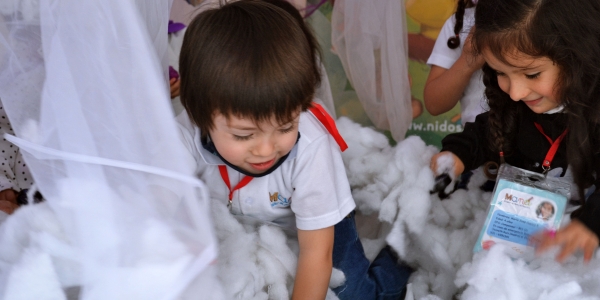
528	79
253	147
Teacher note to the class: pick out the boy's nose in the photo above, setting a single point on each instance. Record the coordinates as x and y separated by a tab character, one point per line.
264	147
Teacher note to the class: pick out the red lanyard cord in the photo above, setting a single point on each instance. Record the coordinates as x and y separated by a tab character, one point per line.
553	148
241	184
321	114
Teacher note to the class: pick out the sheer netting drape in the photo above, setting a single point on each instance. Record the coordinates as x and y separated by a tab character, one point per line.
370	39
84	85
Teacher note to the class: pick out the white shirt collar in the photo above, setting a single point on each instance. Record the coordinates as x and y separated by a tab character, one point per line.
555	110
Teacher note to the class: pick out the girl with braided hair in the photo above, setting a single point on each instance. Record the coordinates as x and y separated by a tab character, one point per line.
455	72
542	83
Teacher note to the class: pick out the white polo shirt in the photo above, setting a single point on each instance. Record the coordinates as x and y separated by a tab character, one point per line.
310	188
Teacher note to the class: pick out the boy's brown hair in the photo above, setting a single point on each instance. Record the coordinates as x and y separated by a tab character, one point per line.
248	59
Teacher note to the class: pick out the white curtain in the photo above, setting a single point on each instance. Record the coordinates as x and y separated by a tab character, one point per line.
84	84
371	40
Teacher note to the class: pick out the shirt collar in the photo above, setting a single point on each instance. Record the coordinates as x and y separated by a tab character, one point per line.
558	109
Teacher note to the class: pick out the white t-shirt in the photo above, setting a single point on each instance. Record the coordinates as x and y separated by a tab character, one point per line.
310	188
473	101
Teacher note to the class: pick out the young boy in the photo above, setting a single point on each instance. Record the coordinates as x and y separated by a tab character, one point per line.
248	76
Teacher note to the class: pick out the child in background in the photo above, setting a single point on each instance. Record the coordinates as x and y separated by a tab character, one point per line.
15	174
176	33
248	77
455	72
542	81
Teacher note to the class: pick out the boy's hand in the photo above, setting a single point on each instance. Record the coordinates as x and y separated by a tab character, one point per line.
174	83
573	237
447	162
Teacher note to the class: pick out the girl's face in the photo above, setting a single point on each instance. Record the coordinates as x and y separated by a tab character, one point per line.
250	146
547	210
528	79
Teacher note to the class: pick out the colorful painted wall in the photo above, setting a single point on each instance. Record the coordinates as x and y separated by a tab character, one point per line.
424	20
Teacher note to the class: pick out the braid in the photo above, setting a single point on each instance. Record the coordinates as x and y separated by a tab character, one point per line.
502	114
454	42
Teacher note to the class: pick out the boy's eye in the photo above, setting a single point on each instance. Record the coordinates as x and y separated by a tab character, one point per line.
242	137
532	76
498	73
286	130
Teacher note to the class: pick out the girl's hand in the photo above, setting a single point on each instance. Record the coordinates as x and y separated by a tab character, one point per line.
573	237
447	162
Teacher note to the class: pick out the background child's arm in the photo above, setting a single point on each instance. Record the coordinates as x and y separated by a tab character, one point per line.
445	87
8	201
314	263
573	237
174	84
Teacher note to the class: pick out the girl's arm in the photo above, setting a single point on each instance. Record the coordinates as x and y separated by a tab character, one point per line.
445	87
314	263
469	147
573	237
581	234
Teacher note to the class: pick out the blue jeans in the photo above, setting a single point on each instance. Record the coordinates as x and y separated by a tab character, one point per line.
385	278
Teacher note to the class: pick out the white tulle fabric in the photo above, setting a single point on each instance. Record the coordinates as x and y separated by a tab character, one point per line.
84	85
370	39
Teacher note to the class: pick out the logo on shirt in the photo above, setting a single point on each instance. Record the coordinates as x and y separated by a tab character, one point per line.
278	200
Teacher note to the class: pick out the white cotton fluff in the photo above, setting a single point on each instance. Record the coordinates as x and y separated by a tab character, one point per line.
33	277
15	232
391	186
337	278
331	295
36	227
257	260
445	164
3	217
494	275
363	139
369	198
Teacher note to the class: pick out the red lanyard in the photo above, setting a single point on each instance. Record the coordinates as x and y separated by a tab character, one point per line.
327	121
241	184
320	113
553	148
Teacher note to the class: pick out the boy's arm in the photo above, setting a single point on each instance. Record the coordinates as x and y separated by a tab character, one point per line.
314	263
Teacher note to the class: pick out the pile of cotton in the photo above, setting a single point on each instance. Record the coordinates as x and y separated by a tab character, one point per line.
391	186
436	237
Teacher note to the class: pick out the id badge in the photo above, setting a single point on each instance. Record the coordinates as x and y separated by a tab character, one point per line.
523	204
